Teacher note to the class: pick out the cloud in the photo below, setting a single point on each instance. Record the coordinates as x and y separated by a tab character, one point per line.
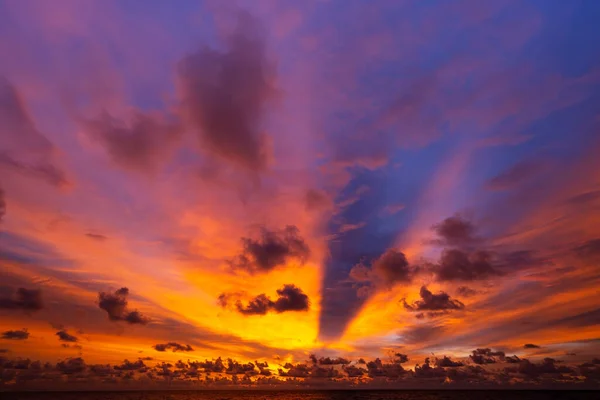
173	346
455	231
131	366
433	302
333	361
2	205
421	333
71	366
589	250
26	299
140	145
271	250
387	270
23	148
224	95
22	334
486	356
457	265
530	346
115	304
96	236
316	200
289	298
446	361
65	336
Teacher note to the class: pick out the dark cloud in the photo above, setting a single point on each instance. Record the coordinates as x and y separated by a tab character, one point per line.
140	145
115	304
457	265
377	368
71	366
421	333
173	346
96	236
23	148
433	302
333	361
2	205
272	250
589	250
224	95
131	366
289	298
533	370
486	356
65	336
387	270
530	346
455	231
447	362
22	334
26	299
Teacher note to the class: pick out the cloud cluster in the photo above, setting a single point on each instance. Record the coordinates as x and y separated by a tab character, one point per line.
115	304
289	298
64	336
384	272
487	356
173	346
433	303
271	250
22	334
25	299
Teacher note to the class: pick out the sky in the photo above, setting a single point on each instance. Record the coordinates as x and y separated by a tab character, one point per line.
324	193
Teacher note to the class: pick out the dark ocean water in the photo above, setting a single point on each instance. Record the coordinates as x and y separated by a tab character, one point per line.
309	395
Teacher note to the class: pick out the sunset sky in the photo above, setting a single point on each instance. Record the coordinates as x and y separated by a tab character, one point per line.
306	184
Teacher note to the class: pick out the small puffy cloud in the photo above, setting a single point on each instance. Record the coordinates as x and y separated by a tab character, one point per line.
433	302
64	336
22	334
25	299
115	304
271	250
289	298
71	366
173	346
531	346
224	95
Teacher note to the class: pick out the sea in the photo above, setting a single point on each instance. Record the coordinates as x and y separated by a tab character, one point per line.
309	395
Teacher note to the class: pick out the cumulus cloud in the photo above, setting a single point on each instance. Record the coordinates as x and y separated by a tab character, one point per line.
433	302
486	356
387	270
446	361
65	336
25	299
530	346
115	304
271	250
140	145
333	361
455	231
224	95
457	265
289	298
173	346
22	334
